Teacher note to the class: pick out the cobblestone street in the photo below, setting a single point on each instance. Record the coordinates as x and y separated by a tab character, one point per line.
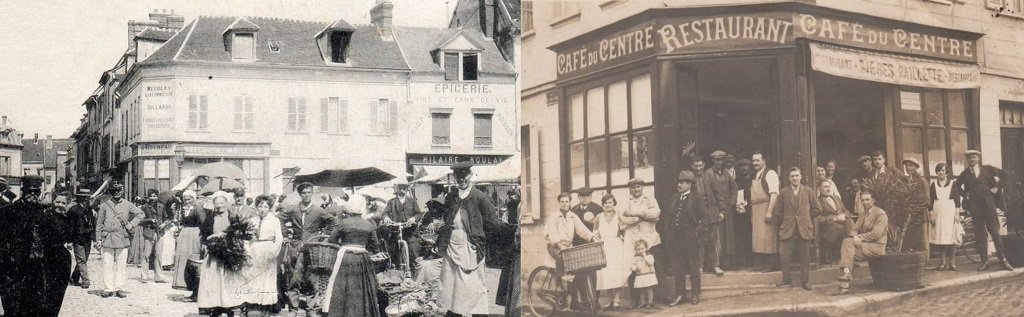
144	299
1001	300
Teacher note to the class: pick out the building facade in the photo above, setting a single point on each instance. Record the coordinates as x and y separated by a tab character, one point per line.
280	98
11	148
46	157
616	89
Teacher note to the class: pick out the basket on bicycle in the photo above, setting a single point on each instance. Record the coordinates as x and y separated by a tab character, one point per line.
589	256
321	254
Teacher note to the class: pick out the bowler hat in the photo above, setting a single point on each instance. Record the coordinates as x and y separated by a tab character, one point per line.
686	175
585	191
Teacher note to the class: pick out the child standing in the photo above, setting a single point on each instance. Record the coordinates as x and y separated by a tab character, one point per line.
643	266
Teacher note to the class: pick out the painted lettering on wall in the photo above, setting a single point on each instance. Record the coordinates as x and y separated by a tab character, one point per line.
835	30
892	68
677	36
619	46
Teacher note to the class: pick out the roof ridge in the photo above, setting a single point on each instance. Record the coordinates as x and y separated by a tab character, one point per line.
184	42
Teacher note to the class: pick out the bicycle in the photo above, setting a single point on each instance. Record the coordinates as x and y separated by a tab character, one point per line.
547	293
403	247
967	246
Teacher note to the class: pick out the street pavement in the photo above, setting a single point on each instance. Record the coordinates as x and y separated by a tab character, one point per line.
153	299
1004	299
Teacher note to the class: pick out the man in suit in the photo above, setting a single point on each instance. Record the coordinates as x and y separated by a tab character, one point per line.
718	239
867	239
403	209
114	224
796	209
82	226
979	188
152	232
834	222
679	225
879	168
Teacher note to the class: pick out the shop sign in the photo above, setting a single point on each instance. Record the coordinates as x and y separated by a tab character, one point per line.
893	69
203	150
618	48
878	37
157	111
451	159
154	149
725	32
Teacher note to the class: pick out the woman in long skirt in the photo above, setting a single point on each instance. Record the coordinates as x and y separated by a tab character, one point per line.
260	289
608	226
352	290
188	244
944	217
217	283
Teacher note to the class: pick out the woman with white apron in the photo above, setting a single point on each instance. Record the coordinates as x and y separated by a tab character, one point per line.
944	218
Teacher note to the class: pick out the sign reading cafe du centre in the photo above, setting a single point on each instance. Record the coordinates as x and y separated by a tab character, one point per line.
669	34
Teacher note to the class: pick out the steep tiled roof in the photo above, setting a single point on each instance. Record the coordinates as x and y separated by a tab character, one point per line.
33	151
418	43
155	34
202	40
50	156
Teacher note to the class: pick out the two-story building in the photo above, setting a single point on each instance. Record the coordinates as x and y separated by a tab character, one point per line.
621	89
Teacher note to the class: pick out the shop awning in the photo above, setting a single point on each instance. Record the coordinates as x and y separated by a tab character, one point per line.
893	68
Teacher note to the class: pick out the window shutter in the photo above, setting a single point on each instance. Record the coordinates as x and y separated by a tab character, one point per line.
372	116
343	115
239	115
202	112
193	112
393	117
302	114
250	114
292	119
451	66
323	115
534	191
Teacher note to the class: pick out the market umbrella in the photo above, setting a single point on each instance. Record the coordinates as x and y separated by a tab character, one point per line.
346	177
165	196
220	184
220	170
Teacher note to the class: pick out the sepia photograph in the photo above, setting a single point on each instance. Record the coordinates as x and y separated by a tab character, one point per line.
772	158
259	158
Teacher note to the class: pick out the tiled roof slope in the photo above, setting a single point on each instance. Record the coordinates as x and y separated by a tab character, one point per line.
418	43
155	34
50	157
203	40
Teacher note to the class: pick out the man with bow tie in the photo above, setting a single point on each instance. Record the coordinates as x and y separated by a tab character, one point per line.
979	188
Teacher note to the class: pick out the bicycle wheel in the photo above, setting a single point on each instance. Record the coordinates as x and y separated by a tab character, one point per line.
967	247
591	294
544	295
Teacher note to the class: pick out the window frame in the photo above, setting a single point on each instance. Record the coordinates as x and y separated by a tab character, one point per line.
447	113
390	125
460	70
202	113
344	48
248	113
923	127
477	139
234	45
340	117
295	117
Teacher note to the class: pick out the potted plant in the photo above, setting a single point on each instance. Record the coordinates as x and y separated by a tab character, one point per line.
1013	242
905	201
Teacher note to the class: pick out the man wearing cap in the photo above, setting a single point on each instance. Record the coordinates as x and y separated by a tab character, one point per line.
679	225
308	220
912	168
867	169
6	195
640	219
979	187
469	218
152	232
586	210
564	230
718	239
114	222
82	226
403	209
35	265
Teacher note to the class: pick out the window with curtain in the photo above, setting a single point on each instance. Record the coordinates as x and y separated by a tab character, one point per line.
244	115
297	114
197	112
482	129
610	132
933	128
440	128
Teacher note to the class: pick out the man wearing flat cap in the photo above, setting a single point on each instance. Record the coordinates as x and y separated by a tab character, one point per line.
586	210
35	264
470	220
979	187
152	231
718	238
679	224
82	227
307	220
114	222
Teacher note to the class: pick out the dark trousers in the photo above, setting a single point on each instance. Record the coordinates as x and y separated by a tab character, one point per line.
986	222
786	249
682	255
81	273
743	230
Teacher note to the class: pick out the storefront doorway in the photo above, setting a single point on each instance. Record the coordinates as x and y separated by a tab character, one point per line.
1012	139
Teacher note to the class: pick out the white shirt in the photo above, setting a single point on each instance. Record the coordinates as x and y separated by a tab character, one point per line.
773	180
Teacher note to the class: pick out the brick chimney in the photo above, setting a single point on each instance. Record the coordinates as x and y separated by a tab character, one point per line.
35	140
49	142
5	121
380	16
486	12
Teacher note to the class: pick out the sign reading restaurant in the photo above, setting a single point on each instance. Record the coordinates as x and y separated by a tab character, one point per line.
689	34
451	159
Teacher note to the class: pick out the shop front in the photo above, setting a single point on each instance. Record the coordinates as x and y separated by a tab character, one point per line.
162	165
803	84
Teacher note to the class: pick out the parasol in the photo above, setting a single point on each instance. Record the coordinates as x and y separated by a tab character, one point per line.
346	177
220	170
220	184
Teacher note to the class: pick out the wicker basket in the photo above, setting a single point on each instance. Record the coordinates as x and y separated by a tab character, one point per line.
322	255
589	256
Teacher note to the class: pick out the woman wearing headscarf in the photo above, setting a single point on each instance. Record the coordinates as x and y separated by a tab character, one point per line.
352	288
260	289
188	243
217	283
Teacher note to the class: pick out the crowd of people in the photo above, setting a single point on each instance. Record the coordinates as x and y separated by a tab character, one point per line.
249	257
741	215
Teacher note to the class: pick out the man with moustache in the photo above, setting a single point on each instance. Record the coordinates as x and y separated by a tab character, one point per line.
679	226
403	209
114	222
980	186
82	227
764	192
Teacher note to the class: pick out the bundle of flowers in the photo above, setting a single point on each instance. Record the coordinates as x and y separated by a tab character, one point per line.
229	249
411	298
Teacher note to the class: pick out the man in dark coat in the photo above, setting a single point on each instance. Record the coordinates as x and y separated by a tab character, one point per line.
979	188
678	225
152	232
718	239
403	209
82	227
796	209
6	195
36	263
586	210
307	220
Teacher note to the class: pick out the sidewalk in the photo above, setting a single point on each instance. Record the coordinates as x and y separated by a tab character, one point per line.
757	299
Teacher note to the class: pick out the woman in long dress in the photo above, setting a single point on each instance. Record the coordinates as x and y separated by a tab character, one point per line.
944	214
188	244
218	284
259	293
352	290
608	225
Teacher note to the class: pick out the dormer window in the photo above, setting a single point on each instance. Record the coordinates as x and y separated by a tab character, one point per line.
242	46
339	44
461	65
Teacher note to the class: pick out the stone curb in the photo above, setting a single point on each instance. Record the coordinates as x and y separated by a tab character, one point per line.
867	304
